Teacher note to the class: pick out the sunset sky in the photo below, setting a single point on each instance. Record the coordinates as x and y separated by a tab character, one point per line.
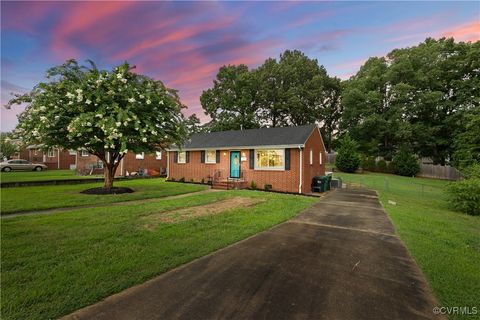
184	44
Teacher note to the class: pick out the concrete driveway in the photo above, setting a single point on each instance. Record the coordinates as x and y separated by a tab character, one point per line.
339	259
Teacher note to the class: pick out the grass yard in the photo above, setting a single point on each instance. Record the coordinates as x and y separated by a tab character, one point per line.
48	197
445	243
55	264
21	176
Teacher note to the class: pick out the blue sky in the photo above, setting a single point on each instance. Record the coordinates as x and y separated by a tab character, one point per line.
185	43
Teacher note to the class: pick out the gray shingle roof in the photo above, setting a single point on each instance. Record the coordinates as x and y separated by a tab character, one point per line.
278	136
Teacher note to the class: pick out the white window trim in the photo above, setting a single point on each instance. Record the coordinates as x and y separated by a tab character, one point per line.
72	152
311	156
51	153
281	168
140	156
178	157
85	153
320	158
158	155
214	158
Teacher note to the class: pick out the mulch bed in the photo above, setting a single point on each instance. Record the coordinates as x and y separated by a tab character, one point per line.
103	191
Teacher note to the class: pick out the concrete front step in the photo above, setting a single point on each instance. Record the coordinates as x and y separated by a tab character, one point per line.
228	185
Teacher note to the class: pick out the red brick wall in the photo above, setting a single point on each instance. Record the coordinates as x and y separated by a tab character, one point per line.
314	143
52	162
284	180
84	163
130	163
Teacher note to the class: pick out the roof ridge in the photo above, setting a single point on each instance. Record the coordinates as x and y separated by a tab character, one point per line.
261	128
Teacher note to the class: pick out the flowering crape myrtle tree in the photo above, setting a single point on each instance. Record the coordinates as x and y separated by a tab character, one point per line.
105	112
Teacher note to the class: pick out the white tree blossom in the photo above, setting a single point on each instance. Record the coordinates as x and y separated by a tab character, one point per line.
97	110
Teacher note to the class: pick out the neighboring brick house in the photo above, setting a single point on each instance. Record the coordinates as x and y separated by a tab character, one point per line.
284	158
54	158
148	163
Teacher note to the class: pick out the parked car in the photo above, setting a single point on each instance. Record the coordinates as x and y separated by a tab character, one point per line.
20	164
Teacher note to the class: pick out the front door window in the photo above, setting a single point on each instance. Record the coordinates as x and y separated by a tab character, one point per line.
235	164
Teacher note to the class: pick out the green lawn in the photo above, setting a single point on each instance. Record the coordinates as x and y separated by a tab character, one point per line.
21	176
445	243
47	197
54	264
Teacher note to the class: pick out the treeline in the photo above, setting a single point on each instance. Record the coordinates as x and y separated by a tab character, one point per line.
421	98
294	90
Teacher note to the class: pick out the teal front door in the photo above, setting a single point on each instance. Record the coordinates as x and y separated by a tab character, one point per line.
234	164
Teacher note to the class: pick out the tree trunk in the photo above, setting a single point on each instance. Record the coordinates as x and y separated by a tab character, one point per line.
109	175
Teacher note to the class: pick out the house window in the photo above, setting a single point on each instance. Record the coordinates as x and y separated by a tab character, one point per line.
158	155
85	153
182	157
273	159
72	152
320	157
50	153
210	156
140	156
311	156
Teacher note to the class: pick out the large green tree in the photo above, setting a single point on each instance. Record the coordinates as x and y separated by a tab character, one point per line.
467	143
294	90
416	96
230	103
105	112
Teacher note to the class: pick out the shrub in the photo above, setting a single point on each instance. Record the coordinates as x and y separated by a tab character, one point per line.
363	161
465	195
191	180
390	167
267	187
348	158
253	185
370	164
203	180
472	171
172	179
182	179
405	163
382	166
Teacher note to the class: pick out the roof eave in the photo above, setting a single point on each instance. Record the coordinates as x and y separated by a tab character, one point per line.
279	146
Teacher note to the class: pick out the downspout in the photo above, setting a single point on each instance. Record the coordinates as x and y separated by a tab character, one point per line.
121	167
58	158
168	165
301	173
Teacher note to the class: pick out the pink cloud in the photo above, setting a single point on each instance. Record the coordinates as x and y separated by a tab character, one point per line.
466	32
175	36
351	64
23	16
80	17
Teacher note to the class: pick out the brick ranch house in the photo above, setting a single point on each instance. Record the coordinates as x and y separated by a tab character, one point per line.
284	159
90	164
54	158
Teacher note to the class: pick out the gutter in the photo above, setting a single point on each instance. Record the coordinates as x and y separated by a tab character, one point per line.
301	173
168	165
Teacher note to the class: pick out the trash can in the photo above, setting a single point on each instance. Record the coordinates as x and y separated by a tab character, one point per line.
327	183
318	184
